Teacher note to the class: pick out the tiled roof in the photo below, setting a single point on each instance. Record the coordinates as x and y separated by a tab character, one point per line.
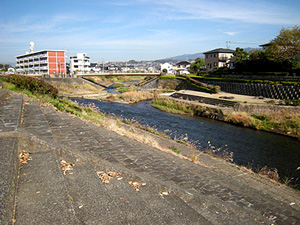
220	50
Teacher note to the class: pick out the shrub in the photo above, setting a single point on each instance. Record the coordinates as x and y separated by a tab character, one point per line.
35	85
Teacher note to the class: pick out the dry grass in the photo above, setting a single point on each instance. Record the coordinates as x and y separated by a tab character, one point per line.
134	97
115	125
281	121
219	152
194	157
242	118
70	88
270	173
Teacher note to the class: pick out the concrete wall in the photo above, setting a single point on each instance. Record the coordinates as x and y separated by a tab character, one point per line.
256	89
264	109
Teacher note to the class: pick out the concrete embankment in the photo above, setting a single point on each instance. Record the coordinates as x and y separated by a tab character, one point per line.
59	182
225	103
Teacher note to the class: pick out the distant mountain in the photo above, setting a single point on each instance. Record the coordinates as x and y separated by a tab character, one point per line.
188	57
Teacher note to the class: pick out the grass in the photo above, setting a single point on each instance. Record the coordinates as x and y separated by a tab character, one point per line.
172	106
134	97
175	149
219	152
282	121
117	79
65	87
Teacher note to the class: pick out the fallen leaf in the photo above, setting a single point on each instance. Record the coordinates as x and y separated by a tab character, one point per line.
106	176
66	167
136	185
165	193
24	157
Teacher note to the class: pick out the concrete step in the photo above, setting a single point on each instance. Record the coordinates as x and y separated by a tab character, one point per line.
8	170
42	196
210	101
61	132
10	111
141	159
197	191
93	203
34	121
223	194
110	141
101	149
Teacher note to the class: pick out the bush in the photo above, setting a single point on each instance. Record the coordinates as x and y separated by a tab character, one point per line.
35	85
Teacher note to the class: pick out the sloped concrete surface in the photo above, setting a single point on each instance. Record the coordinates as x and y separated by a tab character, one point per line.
152	186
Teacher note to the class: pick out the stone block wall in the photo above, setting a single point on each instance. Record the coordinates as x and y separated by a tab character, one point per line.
257	89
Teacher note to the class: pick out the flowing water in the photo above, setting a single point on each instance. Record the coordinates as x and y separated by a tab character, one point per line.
250	147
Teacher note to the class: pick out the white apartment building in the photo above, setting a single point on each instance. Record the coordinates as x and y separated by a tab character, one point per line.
79	64
51	62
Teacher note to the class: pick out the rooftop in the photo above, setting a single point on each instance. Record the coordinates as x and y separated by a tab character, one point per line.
220	50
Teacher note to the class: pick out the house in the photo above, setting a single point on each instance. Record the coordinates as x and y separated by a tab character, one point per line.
219	57
167	66
182	67
79	63
50	62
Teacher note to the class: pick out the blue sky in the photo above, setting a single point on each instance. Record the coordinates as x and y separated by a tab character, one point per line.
116	30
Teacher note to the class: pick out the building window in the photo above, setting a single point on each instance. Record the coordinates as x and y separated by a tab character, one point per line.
215	55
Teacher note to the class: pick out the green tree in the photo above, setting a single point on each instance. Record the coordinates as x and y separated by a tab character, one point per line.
165	70
240	59
286	46
196	66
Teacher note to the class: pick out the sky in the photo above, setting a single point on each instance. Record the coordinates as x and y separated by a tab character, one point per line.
121	30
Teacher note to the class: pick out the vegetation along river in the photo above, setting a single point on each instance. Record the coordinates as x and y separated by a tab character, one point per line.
250	147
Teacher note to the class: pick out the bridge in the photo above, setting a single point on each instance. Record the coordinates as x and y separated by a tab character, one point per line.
116	74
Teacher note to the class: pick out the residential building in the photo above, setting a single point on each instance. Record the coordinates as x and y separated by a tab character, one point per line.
182	67
50	62
219	57
79	64
167	66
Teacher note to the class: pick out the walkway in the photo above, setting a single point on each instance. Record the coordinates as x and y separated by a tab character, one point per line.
61	184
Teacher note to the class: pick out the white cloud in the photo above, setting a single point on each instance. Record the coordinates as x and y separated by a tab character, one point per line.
260	12
230	33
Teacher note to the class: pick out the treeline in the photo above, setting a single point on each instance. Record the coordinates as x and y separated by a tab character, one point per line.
282	54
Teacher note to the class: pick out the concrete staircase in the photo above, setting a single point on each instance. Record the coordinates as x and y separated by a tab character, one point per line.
171	190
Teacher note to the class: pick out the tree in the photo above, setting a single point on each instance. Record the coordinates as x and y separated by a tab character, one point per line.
286	46
196	66
240	58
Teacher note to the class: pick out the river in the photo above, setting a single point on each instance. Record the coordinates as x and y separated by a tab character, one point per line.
250	147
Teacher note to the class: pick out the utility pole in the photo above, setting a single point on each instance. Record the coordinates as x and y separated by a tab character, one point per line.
227	43
102	65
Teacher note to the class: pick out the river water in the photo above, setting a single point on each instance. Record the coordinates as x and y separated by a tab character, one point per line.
250	147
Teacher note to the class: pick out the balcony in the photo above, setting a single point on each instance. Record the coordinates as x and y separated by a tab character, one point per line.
223	59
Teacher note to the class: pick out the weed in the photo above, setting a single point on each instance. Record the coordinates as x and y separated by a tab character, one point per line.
219	152
271	173
175	149
172	106
134	97
194	157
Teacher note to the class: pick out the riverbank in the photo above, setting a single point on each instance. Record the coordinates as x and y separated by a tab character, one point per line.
89	173
91	113
246	111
